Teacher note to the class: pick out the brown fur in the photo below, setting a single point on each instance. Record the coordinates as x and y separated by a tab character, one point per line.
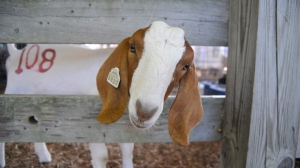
115	99
186	111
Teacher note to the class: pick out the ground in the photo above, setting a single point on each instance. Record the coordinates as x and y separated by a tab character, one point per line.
146	155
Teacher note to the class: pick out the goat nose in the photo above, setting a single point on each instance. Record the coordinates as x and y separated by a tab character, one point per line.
144	114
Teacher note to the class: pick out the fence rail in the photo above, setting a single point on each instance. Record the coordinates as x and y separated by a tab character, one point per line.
45	118
75	21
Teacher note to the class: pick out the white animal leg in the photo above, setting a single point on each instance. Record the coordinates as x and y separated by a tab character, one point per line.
127	154
42	152
99	155
2	155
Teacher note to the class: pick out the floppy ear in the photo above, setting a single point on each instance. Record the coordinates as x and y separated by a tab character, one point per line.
114	99
186	111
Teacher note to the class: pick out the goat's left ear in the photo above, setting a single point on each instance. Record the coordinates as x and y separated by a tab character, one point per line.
186	111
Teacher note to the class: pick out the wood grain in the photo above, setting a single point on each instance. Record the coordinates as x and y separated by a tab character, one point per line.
261	121
73	119
75	21
239	84
285	134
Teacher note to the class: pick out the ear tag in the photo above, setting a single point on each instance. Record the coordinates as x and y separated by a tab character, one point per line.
113	77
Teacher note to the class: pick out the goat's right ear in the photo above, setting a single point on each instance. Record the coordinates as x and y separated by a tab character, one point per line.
114	99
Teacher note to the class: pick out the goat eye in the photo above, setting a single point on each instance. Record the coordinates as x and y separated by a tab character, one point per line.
186	67
132	48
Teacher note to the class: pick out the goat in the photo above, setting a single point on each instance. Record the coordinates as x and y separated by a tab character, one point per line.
142	70
58	69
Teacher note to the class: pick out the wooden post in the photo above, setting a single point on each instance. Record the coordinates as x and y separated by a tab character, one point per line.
261	121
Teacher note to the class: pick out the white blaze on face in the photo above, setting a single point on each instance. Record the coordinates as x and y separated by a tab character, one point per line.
163	48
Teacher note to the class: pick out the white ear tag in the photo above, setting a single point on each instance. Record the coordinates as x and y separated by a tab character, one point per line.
114	77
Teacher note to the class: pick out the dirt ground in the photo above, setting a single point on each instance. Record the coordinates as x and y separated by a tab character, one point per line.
146	155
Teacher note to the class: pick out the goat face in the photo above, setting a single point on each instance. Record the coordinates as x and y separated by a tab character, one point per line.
150	63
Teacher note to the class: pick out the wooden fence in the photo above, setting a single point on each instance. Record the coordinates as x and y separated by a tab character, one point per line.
41	118
261	113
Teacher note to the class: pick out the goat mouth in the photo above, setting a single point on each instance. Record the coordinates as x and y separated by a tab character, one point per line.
138	124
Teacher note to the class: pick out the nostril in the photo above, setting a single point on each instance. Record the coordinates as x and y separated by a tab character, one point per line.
144	116
142	113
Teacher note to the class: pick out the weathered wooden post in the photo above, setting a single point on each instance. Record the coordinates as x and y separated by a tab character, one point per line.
262	112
